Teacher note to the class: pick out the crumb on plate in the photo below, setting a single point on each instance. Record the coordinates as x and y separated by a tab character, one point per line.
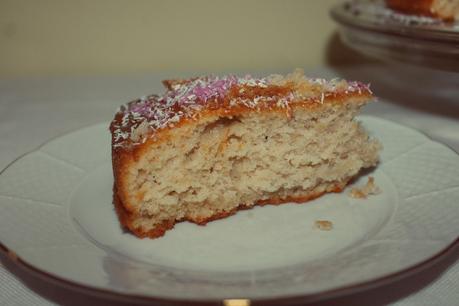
324	225
370	188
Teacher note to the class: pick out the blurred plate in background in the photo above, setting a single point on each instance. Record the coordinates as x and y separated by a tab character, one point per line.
373	29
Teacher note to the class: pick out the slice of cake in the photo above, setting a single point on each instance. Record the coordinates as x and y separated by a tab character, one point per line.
442	9
209	146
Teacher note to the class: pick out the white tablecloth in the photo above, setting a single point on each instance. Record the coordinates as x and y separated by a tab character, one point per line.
34	110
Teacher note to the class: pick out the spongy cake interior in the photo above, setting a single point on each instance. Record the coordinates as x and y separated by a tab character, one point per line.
209	168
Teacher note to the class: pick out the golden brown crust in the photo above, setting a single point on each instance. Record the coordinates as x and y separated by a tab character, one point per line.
224	111
127	219
418	7
121	161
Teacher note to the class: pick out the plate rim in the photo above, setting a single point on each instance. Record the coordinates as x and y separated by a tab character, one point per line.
15	259
306	298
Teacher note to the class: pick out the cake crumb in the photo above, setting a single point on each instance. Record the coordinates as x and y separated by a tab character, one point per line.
324	225
370	188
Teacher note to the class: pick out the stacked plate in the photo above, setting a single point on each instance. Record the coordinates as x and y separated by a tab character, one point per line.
373	29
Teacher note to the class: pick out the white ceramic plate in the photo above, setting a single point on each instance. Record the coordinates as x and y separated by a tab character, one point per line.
57	217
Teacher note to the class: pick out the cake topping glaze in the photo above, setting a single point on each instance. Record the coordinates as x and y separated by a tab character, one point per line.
185	99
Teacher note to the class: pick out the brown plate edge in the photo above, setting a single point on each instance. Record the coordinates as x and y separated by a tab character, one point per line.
308	298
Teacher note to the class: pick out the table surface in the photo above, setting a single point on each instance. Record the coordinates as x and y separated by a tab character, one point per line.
35	110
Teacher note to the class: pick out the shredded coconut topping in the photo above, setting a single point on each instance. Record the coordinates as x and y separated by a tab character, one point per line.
136	120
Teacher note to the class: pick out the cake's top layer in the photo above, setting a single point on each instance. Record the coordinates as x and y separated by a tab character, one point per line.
141	118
